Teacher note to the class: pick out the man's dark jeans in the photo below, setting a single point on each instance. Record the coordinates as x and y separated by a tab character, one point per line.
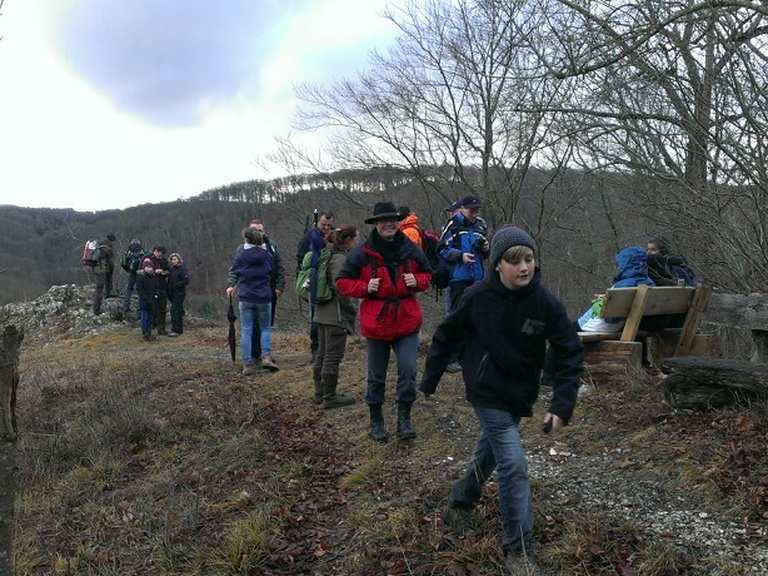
406	350
499	449
177	312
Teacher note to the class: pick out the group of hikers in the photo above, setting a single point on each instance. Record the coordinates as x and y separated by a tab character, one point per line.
499	320
157	279
502	328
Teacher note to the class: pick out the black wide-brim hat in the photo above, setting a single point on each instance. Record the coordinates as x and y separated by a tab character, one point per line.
384	211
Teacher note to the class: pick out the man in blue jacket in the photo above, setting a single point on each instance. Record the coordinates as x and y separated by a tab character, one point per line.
464	246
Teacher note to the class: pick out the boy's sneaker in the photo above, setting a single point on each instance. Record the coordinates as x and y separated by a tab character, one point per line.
268	363
249	369
173	334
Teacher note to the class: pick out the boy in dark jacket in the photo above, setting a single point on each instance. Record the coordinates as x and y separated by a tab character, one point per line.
146	286
501	325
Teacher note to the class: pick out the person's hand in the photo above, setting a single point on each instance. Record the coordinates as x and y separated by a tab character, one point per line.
552	422
230	291
410	280
278	292
468	258
373	285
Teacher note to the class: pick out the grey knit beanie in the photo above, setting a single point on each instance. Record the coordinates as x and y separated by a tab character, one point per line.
507	237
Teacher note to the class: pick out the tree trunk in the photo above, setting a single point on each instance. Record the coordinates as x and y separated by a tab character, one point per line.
703	383
9	380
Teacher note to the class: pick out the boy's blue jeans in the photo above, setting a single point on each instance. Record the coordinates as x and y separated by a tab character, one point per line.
499	448
262	313
406	350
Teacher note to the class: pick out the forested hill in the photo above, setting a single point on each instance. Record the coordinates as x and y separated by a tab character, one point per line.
579	219
40	247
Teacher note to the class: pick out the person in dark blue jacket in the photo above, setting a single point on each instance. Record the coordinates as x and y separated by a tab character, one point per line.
146	286
464	246
178	278
502	325
252	270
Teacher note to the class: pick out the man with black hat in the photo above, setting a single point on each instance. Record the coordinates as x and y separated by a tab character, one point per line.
464	247
386	272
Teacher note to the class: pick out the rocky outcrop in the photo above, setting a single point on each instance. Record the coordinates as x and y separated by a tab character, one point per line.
62	310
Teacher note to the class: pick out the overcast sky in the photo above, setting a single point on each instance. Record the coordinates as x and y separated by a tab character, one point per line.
113	103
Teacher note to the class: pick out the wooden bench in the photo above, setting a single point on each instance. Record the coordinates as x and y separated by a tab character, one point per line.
610	356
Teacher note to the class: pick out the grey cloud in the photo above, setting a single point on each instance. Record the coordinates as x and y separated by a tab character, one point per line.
159	59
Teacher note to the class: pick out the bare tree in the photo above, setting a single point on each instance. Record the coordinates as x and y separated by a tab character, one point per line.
672	90
444	105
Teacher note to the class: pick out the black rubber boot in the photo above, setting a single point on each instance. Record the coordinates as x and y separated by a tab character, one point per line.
318	386
377	432
404	429
330	398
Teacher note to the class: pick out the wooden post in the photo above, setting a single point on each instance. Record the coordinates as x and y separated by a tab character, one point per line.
9	381
760	346
635	314
692	320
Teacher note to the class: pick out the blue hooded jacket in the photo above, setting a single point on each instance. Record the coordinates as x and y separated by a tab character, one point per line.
460	236
252	268
632	264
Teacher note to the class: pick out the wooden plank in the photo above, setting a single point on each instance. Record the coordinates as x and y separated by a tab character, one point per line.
738	310
692	320
597	336
629	353
635	315
661	345
660	300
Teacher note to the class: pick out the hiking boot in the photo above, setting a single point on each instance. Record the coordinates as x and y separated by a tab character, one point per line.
249	369
453	368
330	398
268	363
378	432
317	378
520	564
404	429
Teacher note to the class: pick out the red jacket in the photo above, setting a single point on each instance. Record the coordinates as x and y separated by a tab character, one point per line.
393	311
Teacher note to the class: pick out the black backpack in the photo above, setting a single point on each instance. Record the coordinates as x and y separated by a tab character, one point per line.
132	260
441	272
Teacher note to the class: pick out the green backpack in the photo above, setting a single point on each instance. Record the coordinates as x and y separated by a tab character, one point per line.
324	293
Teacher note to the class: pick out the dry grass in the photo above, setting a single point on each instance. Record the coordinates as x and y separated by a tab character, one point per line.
160	458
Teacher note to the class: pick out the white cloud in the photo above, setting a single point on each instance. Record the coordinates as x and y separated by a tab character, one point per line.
65	143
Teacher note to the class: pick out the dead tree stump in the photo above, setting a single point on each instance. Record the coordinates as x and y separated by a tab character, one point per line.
9	381
703	383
